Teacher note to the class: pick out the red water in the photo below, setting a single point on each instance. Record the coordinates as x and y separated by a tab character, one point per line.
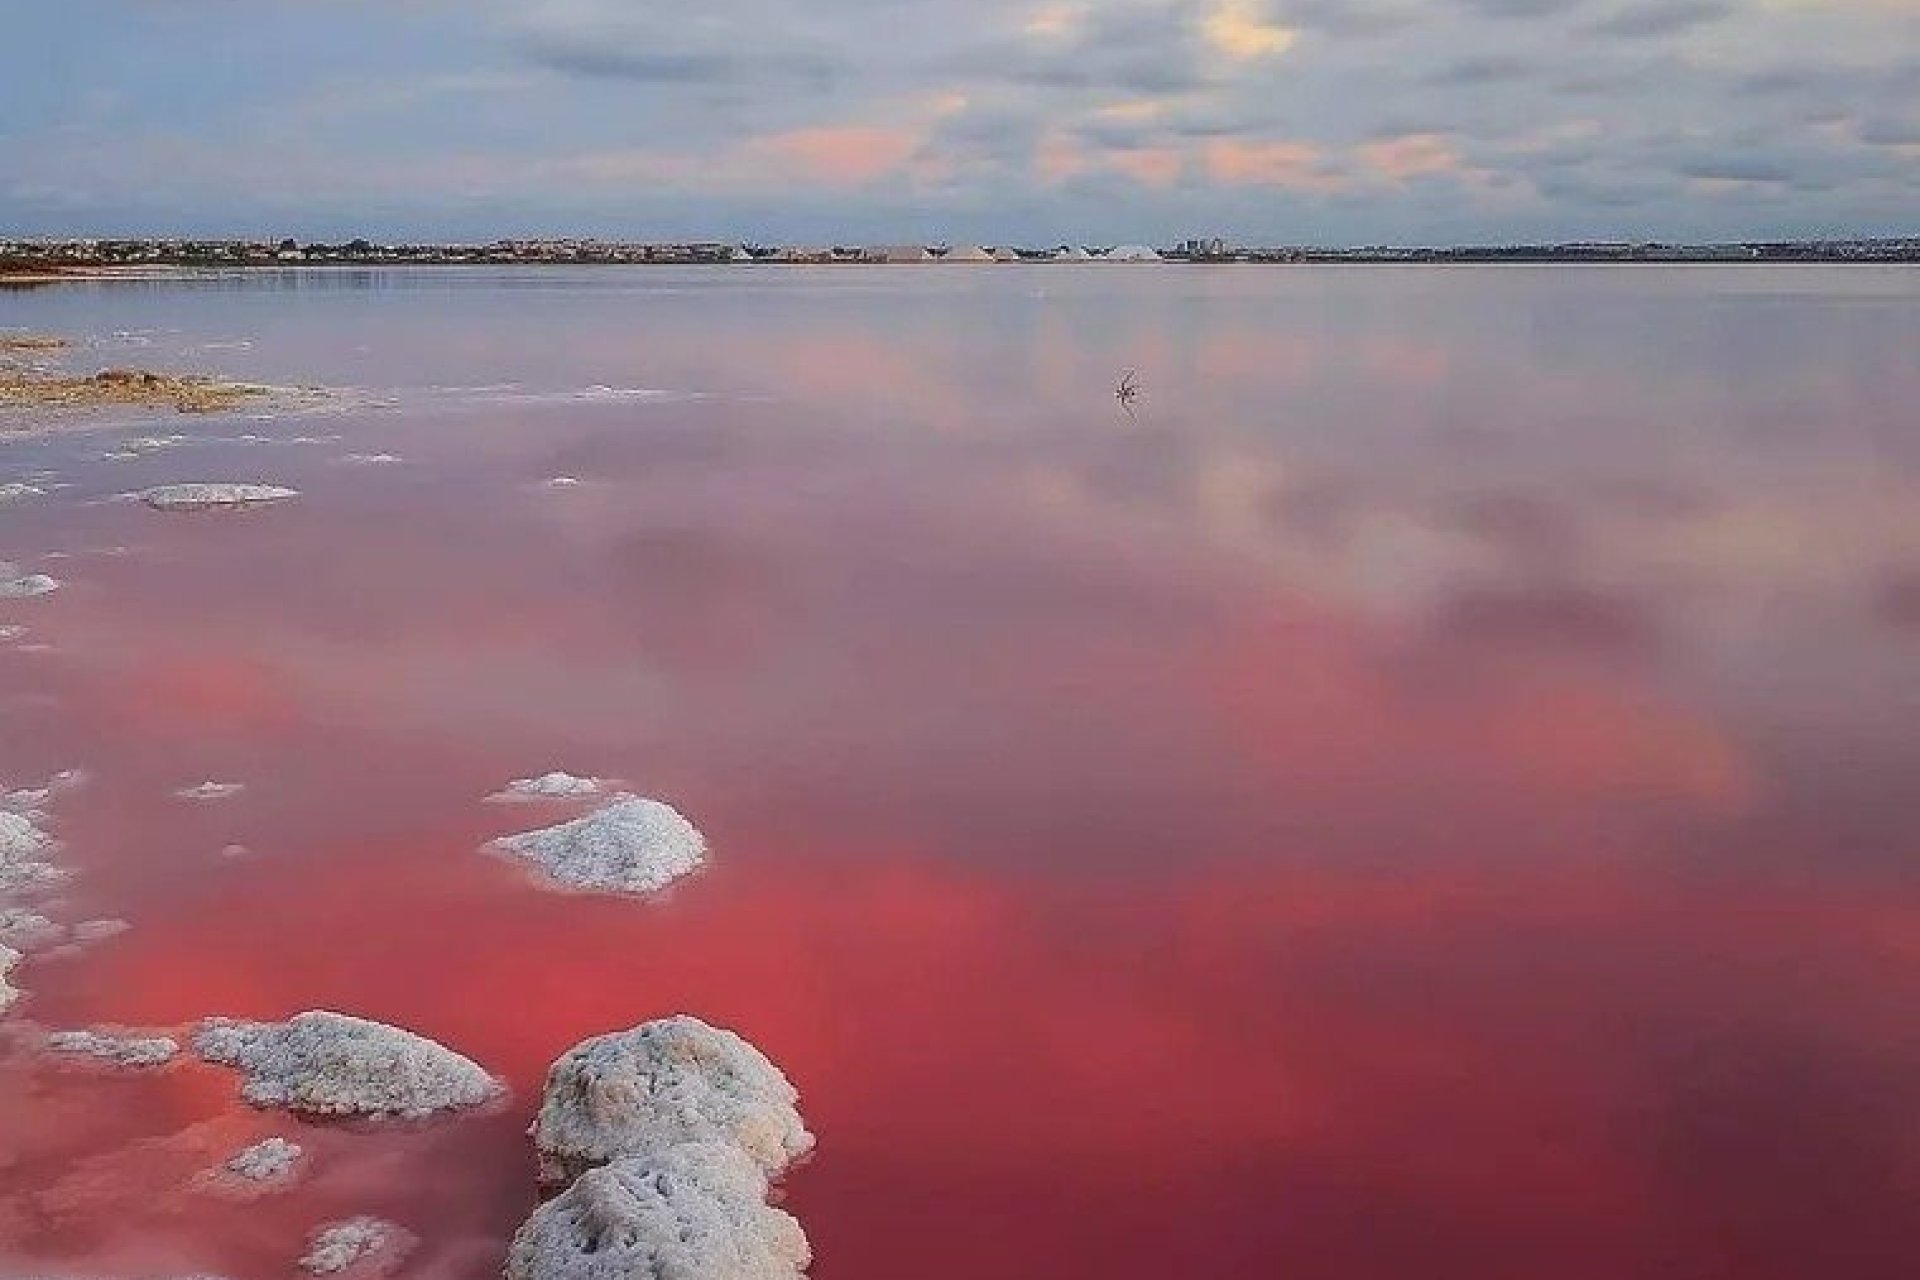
1372	816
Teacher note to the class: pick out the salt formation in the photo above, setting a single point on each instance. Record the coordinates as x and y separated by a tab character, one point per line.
322	1063
629	845
10	633
674	1081
344	1246
368	459
28	930
99	930
272	1160
8	993
211	791
202	497
558	785
20	489
118	1051
22	848
697	1211
15	585
562	482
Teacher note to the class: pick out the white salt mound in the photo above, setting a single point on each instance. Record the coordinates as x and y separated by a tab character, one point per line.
346	1246
202	497
8	993
673	1081
118	1051
558	785
696	1212
15	585
629	845
211	791
322	1063
272	1160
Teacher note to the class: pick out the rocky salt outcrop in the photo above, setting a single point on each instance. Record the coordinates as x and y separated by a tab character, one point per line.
330	1064
15	585
8	992
693	1212
665	1083
115	1050
212	496
629	845
363	1246
558	785
25	863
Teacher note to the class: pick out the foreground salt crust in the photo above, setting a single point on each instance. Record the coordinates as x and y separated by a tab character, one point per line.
323	1063
8	992
665	1083
558	785
268	1161
629	845
205	496
117	1051
23	849
365	1245
694	1212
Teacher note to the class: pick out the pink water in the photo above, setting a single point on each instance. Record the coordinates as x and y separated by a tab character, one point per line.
1434	795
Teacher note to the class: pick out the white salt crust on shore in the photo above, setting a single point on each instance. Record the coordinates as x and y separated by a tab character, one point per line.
8	992
330	1064
693	1212
629	845
205	496
660	1085
15	585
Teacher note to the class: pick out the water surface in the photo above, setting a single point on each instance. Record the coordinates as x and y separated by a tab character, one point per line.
1430	794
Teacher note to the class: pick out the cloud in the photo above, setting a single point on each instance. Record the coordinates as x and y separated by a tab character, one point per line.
1663	18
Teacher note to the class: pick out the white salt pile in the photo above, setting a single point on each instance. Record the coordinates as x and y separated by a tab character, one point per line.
696	1212
8	993
665	1138
15	585
558	785
629	845
672	1081
202	497
211	791
118	1051
364	1245
322	1063
268	1161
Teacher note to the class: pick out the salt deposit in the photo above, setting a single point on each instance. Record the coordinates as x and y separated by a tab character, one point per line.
676	1080
368	459
629	845
8	993
15	585
211	791
28	930
272	1160
558	785
20	489
23	850
205	496
364	1245
8	634
695	1212
88	931
322	1063
118	1051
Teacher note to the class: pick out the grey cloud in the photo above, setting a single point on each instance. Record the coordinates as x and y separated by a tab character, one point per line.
1483	70
1663	18
1521	8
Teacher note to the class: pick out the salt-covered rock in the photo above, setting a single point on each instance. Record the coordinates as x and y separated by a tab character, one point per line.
15	585
673	1081
24	849
118	1051
211	791
8	993
322	1063
29	930
269	1161
363	1245
694	1212
629	845
202	497
558	785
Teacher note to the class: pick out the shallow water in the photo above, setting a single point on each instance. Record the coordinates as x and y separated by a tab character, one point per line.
1432	793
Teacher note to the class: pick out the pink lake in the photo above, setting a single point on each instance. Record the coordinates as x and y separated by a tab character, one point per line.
1432	794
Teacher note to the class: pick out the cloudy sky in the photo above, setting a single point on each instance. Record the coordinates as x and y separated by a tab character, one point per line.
1333	121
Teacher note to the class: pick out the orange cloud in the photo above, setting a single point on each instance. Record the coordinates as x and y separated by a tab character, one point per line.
1297	165
1416	155
839	155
